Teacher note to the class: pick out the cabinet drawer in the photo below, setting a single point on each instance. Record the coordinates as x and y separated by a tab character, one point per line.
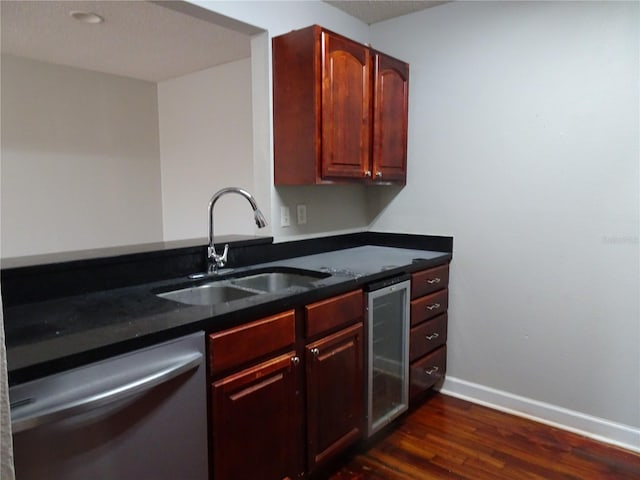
427	371
429	306
237	346
427	336
428	281
333	313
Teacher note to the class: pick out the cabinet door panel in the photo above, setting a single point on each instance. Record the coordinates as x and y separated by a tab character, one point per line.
346	86
390	121
256	422
334	394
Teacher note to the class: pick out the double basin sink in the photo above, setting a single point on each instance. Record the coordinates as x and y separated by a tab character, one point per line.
228	288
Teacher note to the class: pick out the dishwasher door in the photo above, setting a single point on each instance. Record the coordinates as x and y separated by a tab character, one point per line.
135	416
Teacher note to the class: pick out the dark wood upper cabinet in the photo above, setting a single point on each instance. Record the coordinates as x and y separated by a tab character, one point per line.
346	107
340	111
390	120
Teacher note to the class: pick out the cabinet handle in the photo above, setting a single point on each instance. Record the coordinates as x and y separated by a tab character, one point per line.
433	306
295	360
432	336
433	281
315	352
378	174
431	371
367	173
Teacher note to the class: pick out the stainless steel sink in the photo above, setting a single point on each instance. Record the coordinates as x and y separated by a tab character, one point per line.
230	288
208	294
274	281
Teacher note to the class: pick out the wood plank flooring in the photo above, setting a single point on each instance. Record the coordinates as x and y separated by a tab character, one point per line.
449	438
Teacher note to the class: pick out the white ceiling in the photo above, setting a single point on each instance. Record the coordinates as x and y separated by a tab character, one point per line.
138	39
148	40
373	11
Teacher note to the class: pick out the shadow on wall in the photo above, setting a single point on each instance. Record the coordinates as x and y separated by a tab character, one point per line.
378	198
331	208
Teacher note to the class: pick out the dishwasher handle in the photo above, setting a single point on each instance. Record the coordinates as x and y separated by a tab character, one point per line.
24	416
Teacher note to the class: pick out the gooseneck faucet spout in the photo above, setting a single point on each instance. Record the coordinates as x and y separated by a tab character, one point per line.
215	260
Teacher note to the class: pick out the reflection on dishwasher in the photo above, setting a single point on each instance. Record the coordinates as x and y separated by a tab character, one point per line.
138	415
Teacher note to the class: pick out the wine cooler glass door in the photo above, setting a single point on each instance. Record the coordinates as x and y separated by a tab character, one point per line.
388	343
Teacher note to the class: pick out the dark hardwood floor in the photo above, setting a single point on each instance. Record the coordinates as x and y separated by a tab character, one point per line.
449	438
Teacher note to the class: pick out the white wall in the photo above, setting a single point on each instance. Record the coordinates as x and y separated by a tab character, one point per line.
345	209
206	143
80	160
523	145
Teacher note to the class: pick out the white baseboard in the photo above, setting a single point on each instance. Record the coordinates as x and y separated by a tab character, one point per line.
596	428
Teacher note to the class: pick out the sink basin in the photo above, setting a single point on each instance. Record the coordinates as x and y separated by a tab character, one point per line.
234	287
208	294
274	281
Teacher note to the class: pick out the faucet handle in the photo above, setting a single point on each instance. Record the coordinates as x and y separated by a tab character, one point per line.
217	261
221	260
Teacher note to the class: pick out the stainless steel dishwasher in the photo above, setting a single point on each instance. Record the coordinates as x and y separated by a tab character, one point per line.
387	350
135	416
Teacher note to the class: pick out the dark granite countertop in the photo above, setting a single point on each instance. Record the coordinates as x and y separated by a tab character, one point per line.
108	253
57	334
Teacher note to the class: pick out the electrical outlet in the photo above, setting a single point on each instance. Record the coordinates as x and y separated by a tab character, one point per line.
302	214
285	217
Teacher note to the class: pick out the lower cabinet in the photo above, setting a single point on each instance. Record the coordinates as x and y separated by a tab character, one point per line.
334	366
287	391
426	372
428	334
275	413
256	422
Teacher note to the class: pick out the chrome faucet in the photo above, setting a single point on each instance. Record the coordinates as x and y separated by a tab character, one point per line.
214	260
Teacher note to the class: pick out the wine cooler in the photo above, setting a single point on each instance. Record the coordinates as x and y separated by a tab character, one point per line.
388	351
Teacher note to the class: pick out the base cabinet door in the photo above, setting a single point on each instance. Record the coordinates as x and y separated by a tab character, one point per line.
256	422
334	367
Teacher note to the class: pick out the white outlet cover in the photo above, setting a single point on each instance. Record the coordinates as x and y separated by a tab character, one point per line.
302	214
285	217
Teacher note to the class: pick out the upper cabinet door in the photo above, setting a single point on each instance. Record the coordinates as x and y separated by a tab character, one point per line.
390	118
346	108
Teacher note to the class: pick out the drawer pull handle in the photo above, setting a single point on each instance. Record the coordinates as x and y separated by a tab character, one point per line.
432	336
295	360
431	371
433	281
315	352
433	306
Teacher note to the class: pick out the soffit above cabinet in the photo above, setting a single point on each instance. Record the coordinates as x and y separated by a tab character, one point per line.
373	11
139	39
